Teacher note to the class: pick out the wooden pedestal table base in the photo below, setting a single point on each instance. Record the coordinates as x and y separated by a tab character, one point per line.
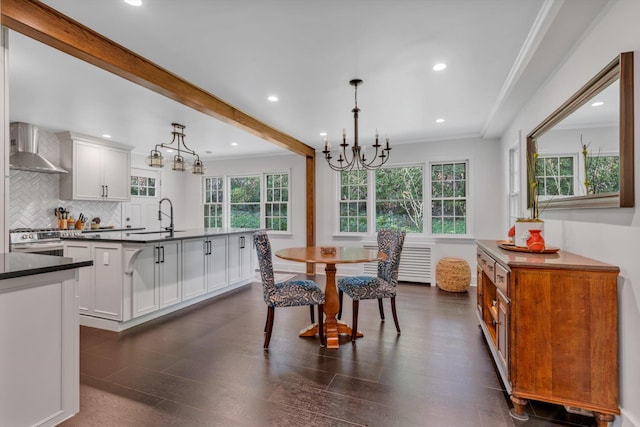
333	327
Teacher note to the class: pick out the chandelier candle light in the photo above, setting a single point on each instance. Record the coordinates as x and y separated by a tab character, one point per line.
357	158
156	160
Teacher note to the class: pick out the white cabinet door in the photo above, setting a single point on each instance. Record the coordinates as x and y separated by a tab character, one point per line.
247	269
169	273
235	259
116	173
98	170
145	292
82	250
87	173
194	268
108	280
240	258
217	263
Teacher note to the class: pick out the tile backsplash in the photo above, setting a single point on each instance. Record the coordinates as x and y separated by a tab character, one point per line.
34	196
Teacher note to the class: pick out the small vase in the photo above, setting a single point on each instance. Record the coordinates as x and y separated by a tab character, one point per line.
535	242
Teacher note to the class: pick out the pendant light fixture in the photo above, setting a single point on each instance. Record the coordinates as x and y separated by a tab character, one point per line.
357	158
156	160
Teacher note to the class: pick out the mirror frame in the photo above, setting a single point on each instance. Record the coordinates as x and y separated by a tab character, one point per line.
620	68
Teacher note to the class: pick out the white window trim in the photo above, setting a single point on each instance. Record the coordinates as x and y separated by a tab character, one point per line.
514	197
227	189
224	197
263	201
470	191
336	212
578	175
371	205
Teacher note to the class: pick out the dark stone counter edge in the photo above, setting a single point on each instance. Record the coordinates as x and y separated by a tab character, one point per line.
156	236
30	271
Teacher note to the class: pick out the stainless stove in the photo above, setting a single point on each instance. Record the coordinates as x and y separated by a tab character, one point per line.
39	240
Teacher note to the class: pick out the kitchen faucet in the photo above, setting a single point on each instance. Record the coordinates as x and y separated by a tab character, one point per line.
160	213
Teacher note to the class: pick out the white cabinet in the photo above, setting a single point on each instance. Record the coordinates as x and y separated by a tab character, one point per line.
145	298
82	250
240	257
156	278
216	261
100	287
204	265
97	170
40	356
194	268
168	273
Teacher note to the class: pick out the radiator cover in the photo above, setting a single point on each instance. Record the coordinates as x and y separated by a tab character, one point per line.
416	262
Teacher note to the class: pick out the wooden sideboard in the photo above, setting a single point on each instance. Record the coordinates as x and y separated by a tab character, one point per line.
551	323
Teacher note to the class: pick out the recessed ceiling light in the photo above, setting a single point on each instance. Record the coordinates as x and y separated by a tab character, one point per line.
323	134
134	2
169	150
105	135
439	120
439	66
272	98
234	144
597	104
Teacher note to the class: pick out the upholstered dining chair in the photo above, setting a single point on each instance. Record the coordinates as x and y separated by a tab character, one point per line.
384	285
291	293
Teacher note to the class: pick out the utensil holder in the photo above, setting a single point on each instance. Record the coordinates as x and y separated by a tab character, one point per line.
62	224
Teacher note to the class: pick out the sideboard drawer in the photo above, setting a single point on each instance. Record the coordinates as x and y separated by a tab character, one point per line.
487	264
502	279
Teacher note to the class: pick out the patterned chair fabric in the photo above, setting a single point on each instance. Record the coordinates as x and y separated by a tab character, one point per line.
290	293
385	284
382	286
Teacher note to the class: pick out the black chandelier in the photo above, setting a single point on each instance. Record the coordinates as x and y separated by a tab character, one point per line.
357	157
156	160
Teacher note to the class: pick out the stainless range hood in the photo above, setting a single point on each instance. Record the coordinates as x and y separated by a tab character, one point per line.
24	150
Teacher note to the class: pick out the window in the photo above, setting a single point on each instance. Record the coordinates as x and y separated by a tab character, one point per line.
399	199
603	174
142	186
244	202
213	199
514	186
449	198
555	176
276	202
353	201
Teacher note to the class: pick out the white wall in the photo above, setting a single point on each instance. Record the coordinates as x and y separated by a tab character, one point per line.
609	235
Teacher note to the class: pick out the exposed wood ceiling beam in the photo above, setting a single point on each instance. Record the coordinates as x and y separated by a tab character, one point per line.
40	22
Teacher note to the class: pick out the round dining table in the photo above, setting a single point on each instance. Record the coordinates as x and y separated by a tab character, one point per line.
341	255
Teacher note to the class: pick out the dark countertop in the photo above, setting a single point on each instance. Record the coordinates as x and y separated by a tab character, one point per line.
106	229
155	236
16	264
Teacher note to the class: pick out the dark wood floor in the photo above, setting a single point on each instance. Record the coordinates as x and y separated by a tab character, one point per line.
205	367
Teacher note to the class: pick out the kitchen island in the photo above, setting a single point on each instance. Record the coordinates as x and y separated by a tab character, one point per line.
145	274
39	335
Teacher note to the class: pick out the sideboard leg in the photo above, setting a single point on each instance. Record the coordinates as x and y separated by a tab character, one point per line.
517	411
603	420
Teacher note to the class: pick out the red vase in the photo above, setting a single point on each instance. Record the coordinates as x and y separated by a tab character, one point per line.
535	242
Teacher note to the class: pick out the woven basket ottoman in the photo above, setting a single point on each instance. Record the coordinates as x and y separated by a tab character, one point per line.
453	275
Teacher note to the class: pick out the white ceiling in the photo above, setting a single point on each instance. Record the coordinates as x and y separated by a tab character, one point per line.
305	52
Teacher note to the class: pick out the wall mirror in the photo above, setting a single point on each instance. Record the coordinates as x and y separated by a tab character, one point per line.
585	148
